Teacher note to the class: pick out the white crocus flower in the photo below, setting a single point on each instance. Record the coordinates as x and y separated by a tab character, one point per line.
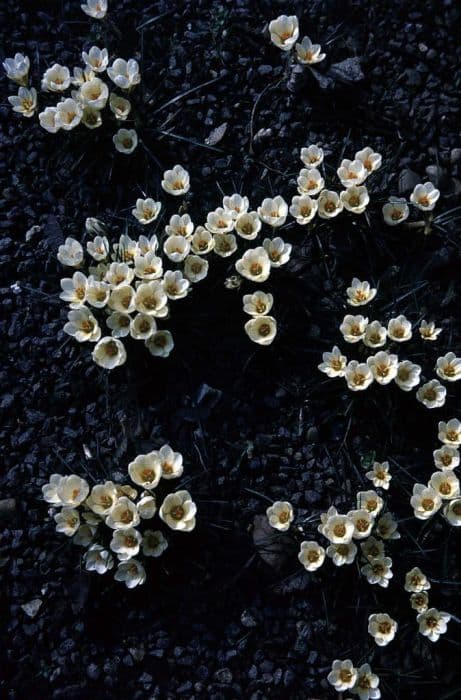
102	498
147	245
50	490
428	331
342	554
416	581
160	344
371	160
303	209
148	266
446	457
81	76
47	120
120	107
312	156
360	293
119	274
399	329
445	483
125	74
334	363
94	227
425	501
372	548
74	290
450	432
69	114
176	181
154	543
329	204
151	299
25	102
273	211
126	249
96	9
142	326
353	328
220	221
67	521
123	514
171	462
384	367
146	210
175	285
98	559
236	205
17	68
355	198
255	265
375	335
452	512
131	573
119	323
378	571
425	196
382	628
126	543
343	675
311	555
386	527
248	225
202	241
448	367
370	501
308	53
109	353
408	375
122	299
72	490
82	325
195	268
395	211
56	79
258	303
261	329
178	511
379	475
284	31
91	118
433	623
176	248
280	515
125	141
310	181
358	376
147	506
225	244
71	253
352	172
180	226
338	529
98	248
432	394
419	601
366	685
278	251
363	523
94	93
96	59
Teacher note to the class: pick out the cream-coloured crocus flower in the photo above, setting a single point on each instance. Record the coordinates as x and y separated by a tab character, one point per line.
225	244
274	211
445	483
303	209
175	285
342	554
154	543
363	523
452	512
98	248
47	120
122	299
372	548
311	555
375	335
399	329
278	251
119	323
94	93
176	248
308	53
91	118
176	181
119	274
355	198
120	107
408	375
360	293
96	9
69	114
126	249
98	559
433	623
82	326
67	521
329	204
248	225
131	573
236	205
312	156
123	514
25	102
284	31
370	501
353	328
343	675
160	344
125	141
261	329
56	79
450	432
384	366
94	227
147	245
386	527
171	462
109	353
195	268
395	211
446	457
448	367
81	76
382	628
334	363
142	326
416	581
339	529
71	253
102	498
310	181
371	160
148	266
151	299
147	506
125	74
419	601
50	490
96	59
379	475
428	331
255	265
258	303
425	196
432	394
72	490
378	571
202	241
352	172
180	226
280	515
220	221
17	68
178	511
425	501
74	290
358	376
324	518
126	543
366	685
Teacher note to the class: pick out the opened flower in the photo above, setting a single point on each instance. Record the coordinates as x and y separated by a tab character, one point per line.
261	329
280	515
202	241
379	475
125	141
195	268
366	685
225	244
399	329
120	107
337	528
47	120
126	543
408	375
334	363
284	31
372	548
378	571
142	326
151	299
273	211
416	581
452	512
433	623
303	209
220	221
277	250
425	501
98	559
97	293
176	248
308	53
67	521
131	573
25	102
94	93
329	204
428	331
447	457
375	335
56	79
69	114
71	253
355	198
176	181
445	483
258	303
72	490
425	196
448	367
17	68
160	343
109	353
178	511
248	225
125	74
386	527
180	226
450	432
358	376
122	299
175	285
342	554
432	394
370	501
343	675
96	9
310	181
74	290
352	172
360	293
82	325
102	498
395	211
371	160
384	367
419	601
236	205
382	628
312	156
154	543
96	59
255	265
353	328
311	555
363	522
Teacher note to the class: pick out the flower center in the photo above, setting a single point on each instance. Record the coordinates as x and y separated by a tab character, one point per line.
177	512
284	517
396	215
126	516
111	349
256	269
264	330
339	530
452	435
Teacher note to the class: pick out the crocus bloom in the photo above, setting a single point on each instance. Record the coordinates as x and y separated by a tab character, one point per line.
358	376
98	559
342	554
351	172
370	501
236	205
119	106
67	521
311	555
386	527
360	293
375	335
154	543
96	59
425	501
334	363
428	331
178	511
125	74
308	53
56	79
378	571
151	299
25	102
416	581
379	475
452	512
131	573
248	225
195	268
448	367
74	290
91	118
355	198
408	375
450	432
425	196
363	522
329	204
125	140
225	244
312	156
343	675
255	265
175	285
278	251
445	483
102	498
310	181
119	323
72	490
384	367
109	353
126	543
284	31
202	241
399	329
69	114
123	514
382	628
142	326
432	394
303	209
395	211
280	515
261	329
419	601
71	253
366	685
160	343
176	181
180	226
96	9
337	528
433	623
17	68
353	328
176	248
446	457
47	120
371	160
94	93
220	221
372	548
273	211
258	303
82	325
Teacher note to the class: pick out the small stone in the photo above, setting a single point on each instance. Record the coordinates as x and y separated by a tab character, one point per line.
32	608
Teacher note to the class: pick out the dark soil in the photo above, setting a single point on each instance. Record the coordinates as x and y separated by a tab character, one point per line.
220	617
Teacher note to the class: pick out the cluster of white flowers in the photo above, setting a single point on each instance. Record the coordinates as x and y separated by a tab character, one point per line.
284	32
424	197
432	622
359	681
109	518
442	492
89	99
